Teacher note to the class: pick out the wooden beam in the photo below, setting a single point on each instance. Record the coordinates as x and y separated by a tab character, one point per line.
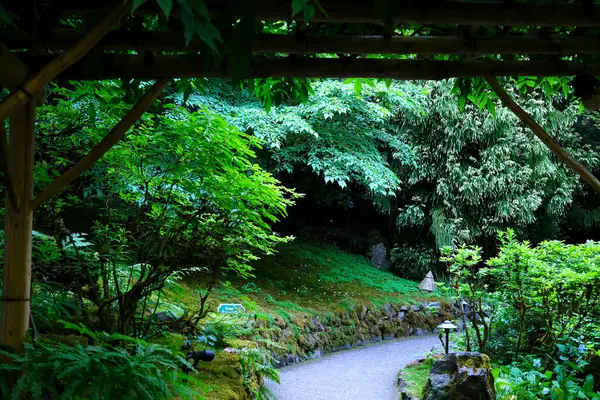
17	230
552	144
116	134
427	45
139	67
403	12
58	64
12	71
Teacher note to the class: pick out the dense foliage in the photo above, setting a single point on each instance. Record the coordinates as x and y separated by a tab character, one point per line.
195	193
533	307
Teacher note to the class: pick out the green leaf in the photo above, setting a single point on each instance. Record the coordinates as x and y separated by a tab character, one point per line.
357	86
189	26
309	12
166	6
588	385
462	101
5	17
137	4
491	106
298	6
91	110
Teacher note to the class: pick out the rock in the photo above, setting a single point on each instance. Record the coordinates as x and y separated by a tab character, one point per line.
318	354
402	386
401	315
165	316
388	308
420	332
461	376
379	257
404	309
415	307
434	304
388	336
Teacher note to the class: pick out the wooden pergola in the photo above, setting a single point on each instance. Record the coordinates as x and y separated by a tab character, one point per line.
397	39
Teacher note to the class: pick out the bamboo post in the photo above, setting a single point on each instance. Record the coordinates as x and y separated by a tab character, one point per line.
6	169
116	134
552	144
18	228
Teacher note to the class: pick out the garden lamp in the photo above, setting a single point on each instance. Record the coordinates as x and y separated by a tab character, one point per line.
446	326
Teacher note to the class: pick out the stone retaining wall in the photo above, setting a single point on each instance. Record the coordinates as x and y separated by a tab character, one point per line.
304	337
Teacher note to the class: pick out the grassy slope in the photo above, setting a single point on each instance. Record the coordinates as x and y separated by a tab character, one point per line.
304	278
311	278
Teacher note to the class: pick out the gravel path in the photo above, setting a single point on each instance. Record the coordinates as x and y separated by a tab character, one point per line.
364	373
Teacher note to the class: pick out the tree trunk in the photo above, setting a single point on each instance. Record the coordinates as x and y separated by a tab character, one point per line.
17	230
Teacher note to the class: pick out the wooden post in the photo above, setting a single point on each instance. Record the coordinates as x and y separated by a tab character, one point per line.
17	230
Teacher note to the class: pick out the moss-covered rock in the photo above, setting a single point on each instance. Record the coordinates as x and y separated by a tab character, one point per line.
461	376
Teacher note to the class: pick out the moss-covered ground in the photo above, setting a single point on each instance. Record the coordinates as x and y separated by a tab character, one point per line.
303	281
415	376
306	277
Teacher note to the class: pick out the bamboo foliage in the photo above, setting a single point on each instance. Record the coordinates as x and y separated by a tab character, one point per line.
552	144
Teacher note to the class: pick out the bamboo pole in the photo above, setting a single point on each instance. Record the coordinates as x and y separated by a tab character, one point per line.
182	66
116	134
403	12
17	229
63	61
9	182
552	144
339	44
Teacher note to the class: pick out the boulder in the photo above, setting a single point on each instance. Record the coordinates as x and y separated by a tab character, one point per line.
461	376
379	257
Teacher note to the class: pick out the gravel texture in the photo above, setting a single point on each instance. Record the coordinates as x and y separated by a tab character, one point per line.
365	373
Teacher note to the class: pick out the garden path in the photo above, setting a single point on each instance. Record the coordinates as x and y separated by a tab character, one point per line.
363	373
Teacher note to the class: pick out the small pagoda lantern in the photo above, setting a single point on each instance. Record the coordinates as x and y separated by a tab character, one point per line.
428	283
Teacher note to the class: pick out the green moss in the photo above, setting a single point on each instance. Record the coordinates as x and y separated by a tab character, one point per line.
171	341
416	376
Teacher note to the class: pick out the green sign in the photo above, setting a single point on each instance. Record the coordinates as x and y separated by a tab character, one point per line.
231	308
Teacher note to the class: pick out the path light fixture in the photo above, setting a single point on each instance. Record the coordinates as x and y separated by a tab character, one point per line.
447	326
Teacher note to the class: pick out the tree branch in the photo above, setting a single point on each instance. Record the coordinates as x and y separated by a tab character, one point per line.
116	134
552	144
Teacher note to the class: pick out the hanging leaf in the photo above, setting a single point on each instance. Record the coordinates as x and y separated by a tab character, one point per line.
298	6
309	12
91	110
491	106
137	4
5	17
357	86
166	6
189	27
462	101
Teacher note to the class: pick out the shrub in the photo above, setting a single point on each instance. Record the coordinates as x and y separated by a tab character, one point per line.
101	371
527	299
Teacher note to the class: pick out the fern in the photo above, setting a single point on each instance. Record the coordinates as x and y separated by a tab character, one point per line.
99	372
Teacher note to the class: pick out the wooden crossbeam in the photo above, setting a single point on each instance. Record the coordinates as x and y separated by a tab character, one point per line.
59	63
363	11
135	66
175	42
